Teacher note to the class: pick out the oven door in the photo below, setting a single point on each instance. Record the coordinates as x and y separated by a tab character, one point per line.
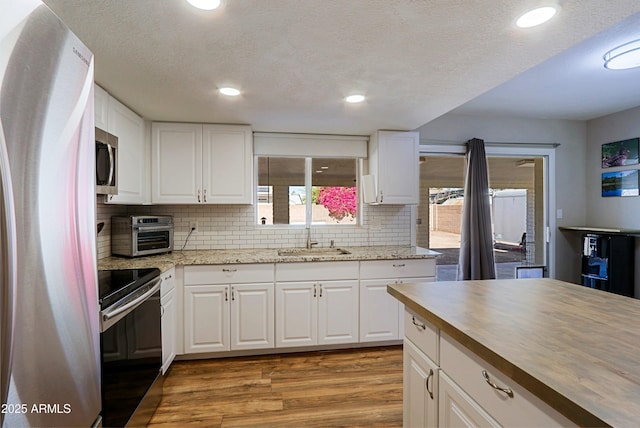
131	357
152	240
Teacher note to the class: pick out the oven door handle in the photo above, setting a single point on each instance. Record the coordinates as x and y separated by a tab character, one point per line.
142	228
106	316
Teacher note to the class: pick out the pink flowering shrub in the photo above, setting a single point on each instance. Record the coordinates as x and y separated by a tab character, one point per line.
339	201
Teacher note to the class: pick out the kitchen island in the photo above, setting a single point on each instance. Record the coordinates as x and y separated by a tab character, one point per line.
576	349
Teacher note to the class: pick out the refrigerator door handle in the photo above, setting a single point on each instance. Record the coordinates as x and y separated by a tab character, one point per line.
8	270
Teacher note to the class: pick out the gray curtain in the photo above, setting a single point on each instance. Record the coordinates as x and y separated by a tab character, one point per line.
476	239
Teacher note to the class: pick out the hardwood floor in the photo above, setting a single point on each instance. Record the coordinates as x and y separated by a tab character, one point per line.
357	387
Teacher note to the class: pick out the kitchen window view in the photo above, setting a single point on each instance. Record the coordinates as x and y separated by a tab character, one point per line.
516	195
307	191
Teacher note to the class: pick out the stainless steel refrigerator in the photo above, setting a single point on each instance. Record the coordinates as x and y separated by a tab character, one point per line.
49	338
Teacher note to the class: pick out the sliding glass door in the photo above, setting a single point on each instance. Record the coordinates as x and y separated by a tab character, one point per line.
518	193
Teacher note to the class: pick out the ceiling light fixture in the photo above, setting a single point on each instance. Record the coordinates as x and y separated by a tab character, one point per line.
205	4
354	99
232	92
536	17
623	57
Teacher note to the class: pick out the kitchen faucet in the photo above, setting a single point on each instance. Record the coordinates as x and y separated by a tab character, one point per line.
310	243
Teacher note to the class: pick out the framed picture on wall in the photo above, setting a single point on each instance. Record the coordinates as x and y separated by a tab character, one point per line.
620	153
620	183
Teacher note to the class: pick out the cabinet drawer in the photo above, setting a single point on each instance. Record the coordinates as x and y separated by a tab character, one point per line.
397	268
316	271
168	281
422	334
228	274
522	409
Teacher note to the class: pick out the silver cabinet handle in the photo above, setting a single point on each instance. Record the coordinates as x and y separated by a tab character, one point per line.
418	324
320	290
226	295
381	197
204	194
507	391
199	195
314	290
168	277
233	294
399	265
229	270
427	383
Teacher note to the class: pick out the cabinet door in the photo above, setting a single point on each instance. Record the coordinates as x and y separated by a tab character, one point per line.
252	316
398	182
296	314
206	318
378	311
101	108
337	312
132	171
169	323
457	409
176	163
420	388
227	156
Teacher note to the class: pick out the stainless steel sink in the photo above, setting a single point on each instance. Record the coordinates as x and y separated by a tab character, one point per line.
313	252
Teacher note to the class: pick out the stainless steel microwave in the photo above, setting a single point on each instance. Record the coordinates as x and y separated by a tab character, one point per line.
106	163
135	236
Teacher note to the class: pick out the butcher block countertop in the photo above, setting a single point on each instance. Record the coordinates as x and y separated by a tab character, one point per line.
576	348
262	255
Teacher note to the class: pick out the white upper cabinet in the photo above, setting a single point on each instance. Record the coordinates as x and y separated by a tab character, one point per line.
227	159
393	173
201	164
101	107
132	171
115	118
176	163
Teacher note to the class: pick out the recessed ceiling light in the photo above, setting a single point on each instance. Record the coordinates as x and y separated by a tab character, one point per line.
623	56
324	167
536	17
232	92
354	98
205	4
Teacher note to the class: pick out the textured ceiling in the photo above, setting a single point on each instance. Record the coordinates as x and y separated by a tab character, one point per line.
572	85
295	60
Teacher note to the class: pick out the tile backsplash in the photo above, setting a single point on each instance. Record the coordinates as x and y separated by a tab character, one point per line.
233	227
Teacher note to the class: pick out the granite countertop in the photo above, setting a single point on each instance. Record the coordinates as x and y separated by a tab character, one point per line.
261	255
573	347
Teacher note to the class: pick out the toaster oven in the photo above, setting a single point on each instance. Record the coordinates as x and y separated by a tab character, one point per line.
135	236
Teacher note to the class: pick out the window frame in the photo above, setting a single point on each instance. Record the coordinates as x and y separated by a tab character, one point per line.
308	185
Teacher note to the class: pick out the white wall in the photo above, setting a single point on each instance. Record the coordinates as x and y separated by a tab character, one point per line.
615	212
570	191
229	227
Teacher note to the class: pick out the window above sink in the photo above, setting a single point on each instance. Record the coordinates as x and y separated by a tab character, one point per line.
308	179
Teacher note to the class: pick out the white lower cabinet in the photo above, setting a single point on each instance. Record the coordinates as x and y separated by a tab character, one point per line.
169	320
380	313
457	409
229	316
420	388
316	303
467	391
